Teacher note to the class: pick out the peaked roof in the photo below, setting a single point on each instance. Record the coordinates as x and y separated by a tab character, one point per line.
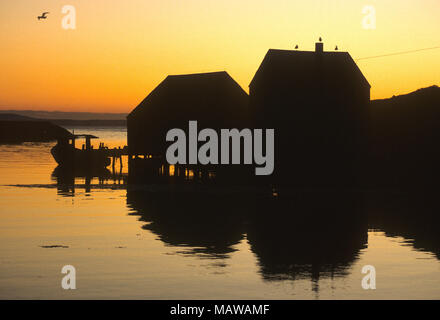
213	99
308	65
193	90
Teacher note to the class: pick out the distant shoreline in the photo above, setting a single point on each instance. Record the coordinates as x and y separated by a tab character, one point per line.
65	122
65	115
89	123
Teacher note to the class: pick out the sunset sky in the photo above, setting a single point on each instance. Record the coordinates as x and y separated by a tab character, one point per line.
121	50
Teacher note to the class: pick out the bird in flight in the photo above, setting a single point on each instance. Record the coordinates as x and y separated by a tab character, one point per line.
43	16
320	39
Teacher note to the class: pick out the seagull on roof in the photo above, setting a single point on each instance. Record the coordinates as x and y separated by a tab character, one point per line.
336	48
296	47
43	16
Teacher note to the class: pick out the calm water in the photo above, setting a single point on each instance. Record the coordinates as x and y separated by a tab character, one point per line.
150	243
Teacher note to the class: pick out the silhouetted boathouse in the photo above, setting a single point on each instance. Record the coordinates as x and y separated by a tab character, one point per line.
214	99
317	102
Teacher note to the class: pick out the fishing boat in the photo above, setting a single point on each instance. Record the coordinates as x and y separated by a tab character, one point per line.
67	155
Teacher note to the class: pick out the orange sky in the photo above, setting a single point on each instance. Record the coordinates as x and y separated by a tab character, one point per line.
122	49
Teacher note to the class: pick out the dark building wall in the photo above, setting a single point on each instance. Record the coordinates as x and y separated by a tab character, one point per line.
317	103
215	100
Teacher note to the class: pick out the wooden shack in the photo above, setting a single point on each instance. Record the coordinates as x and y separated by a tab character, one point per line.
317	103
214	100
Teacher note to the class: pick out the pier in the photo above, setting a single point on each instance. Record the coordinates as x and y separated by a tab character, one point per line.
116	155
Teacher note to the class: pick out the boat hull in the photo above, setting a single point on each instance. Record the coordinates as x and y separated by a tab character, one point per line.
67	156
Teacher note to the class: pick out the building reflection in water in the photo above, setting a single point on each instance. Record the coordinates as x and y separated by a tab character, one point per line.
67	180
206	224
301	235
292	235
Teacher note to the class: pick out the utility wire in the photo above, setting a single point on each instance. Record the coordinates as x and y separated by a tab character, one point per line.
398	53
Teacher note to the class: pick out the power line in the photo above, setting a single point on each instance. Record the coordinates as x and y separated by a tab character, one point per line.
398	53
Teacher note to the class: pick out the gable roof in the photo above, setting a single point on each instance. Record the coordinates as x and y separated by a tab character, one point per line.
193	91
213	99
308	66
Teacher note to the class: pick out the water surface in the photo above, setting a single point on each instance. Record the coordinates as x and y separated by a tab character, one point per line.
149	243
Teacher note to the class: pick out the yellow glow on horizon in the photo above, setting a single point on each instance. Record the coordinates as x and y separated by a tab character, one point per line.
122	49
